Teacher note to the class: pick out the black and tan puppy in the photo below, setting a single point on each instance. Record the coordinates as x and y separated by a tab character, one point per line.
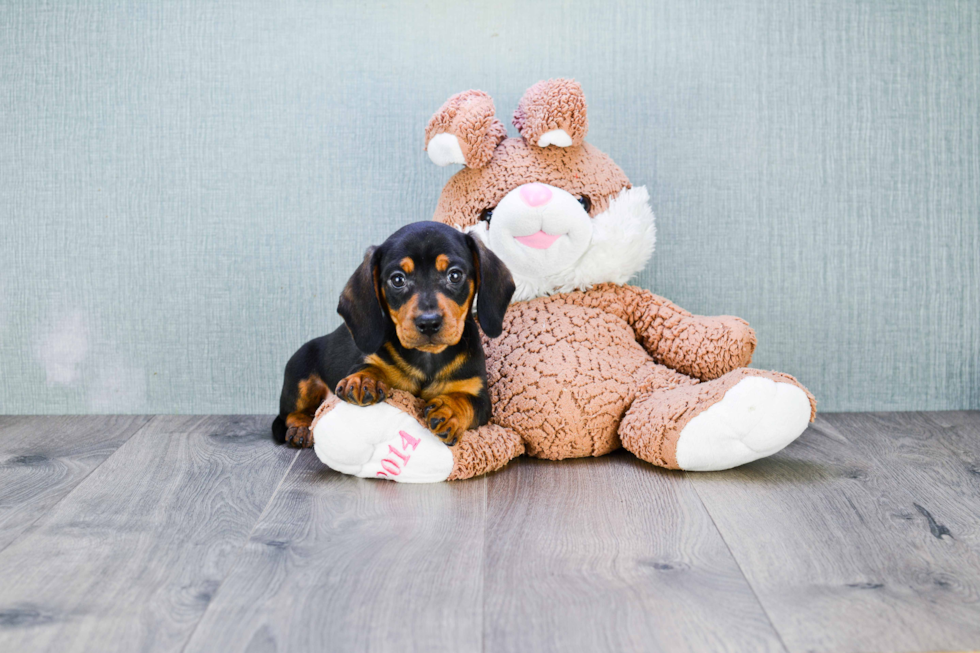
408	325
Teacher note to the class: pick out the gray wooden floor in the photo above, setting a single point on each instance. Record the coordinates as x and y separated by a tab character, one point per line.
198	534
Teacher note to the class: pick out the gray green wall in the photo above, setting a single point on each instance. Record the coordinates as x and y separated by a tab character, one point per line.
185	186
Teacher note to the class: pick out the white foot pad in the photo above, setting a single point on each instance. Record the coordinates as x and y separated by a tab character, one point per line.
756	418
380	441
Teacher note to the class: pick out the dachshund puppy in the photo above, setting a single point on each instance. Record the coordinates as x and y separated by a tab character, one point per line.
408	324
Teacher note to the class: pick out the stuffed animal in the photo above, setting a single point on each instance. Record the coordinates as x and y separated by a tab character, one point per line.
586	364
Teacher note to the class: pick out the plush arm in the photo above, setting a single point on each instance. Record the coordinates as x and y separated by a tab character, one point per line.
390	440
699	346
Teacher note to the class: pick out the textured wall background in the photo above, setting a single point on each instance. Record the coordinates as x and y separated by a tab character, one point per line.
185	186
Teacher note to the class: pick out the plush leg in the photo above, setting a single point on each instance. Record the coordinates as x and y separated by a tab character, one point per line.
484	450
742	416
389	440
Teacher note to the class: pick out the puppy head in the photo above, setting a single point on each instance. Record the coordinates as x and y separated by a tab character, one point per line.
421	282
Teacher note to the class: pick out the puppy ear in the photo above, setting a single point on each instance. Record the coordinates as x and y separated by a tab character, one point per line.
553	113
360	304
494	287
464	130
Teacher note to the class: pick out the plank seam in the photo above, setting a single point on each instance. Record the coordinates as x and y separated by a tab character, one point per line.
731	553
235	558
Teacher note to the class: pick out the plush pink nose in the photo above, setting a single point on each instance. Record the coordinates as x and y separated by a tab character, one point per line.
535	194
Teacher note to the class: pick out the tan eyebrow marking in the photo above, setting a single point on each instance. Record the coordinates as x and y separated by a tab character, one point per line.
407	264
442	262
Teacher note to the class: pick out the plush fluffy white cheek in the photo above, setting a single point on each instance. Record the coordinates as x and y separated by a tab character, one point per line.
539	229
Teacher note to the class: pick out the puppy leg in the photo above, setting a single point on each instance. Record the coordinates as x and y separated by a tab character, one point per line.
364	387
312	392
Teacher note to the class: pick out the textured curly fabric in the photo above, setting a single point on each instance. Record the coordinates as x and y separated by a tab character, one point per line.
581	170
469	116
553	104
484	450
654	422
587	354
702	347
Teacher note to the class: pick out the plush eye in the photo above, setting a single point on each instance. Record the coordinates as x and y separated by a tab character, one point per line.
455	276
486	215
586	203
397	280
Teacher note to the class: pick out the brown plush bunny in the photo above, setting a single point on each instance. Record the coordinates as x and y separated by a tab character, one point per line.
586	364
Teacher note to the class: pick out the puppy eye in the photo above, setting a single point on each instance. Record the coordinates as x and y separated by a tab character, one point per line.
455	276
486	215
397	280
586	203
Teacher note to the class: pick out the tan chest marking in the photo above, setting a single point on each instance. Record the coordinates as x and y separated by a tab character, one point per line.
399	375
453	366
471	386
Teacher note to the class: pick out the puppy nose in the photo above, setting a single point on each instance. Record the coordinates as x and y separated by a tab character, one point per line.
428	323
535	194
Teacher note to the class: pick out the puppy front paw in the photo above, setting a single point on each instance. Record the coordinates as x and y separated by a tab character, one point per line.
448	416
362	389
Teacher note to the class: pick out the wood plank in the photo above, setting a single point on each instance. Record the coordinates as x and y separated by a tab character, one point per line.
960	434
130	559
345	564
936	458
43	458
838	536
611	554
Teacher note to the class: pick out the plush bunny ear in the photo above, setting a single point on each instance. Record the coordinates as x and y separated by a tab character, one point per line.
553	113
464	130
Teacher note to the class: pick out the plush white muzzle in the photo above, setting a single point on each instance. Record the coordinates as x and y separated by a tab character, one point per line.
539	226
549	242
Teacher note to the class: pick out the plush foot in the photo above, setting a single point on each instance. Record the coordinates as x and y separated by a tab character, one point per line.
740	417
754	419
380	441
